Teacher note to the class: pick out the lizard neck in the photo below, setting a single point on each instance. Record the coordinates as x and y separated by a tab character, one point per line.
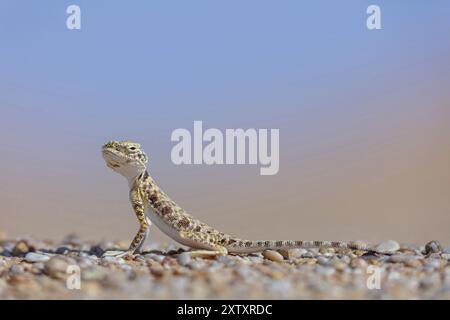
137	179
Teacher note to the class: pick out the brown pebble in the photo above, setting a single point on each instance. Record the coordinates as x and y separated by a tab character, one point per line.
284	253
20	248
156	269
170	261
339	265
56	267
413	263
326	250
273	255
358	263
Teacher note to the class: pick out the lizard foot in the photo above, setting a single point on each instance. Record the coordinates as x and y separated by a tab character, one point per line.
119	254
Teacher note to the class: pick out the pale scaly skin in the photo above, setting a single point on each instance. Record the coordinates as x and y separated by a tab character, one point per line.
151	204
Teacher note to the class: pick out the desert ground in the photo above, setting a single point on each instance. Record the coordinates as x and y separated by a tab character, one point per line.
73	268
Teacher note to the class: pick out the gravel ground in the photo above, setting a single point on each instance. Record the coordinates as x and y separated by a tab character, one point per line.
35	269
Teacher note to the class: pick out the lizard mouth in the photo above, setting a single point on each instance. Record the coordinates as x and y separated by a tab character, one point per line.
109	156
112	165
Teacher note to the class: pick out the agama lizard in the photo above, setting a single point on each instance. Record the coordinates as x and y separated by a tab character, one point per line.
152	205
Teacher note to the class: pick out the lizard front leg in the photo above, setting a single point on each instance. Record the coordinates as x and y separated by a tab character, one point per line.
144	224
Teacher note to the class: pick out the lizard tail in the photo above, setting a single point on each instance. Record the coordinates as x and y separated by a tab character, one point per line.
248	246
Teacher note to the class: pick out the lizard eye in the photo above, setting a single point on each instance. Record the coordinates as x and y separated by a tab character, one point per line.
132	148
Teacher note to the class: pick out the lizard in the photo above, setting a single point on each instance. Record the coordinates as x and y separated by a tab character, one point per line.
152	206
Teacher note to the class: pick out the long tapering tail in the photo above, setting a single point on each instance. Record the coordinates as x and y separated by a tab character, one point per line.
248	246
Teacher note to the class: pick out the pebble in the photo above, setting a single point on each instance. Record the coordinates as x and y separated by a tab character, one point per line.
433	247
97	251
20	248
17	269
36	257
184	258
256	260
62	250
389	246
38	267
446	256
154	256
7	253
323	260
113	260
273	255
284	253
297	253
358	263
346	259
308	255
156	269
339	265
55	267
413	263
327	251
434	255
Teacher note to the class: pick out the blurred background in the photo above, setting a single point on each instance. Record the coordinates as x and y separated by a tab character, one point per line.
364	116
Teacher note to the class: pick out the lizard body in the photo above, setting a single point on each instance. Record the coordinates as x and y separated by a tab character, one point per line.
152	205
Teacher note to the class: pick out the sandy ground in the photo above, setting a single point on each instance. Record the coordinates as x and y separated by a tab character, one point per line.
75	269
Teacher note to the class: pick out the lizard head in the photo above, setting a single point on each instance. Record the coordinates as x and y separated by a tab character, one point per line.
125	157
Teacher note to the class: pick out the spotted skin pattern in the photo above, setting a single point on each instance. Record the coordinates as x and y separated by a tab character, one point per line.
151	204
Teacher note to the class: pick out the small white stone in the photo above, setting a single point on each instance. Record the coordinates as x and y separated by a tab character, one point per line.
308	255
110	259
323	260
389	246
255	260
36	257
156	257
446	256
297	253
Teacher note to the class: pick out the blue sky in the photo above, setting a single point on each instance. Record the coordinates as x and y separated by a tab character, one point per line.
140	69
